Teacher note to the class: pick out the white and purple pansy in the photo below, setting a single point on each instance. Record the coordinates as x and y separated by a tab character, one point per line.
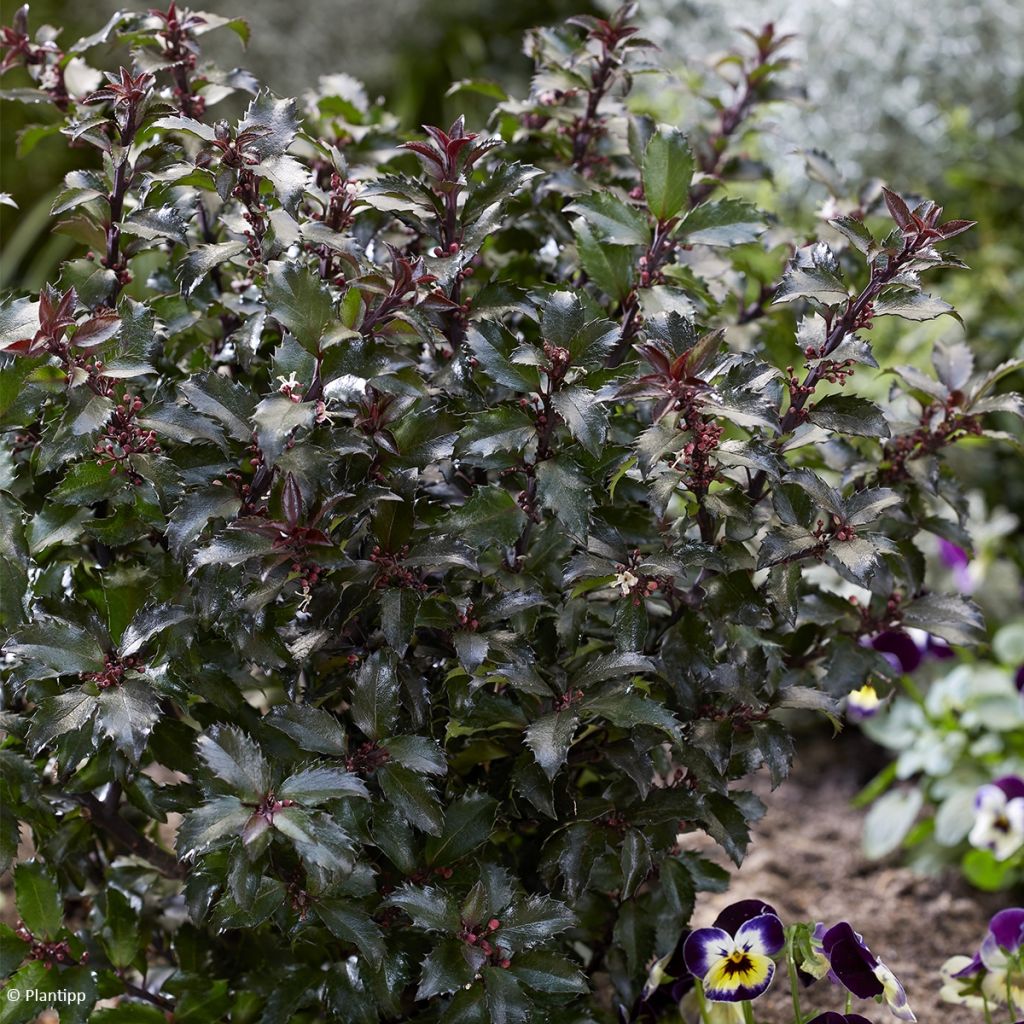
995	971
857	969
1002	945
999	817
733	958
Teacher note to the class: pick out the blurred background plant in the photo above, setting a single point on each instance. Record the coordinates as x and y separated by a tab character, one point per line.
390	46
931	95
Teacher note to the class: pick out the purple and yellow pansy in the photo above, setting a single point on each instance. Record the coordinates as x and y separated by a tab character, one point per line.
733	959
863	703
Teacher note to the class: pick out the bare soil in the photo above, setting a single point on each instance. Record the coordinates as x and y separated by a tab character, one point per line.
806	860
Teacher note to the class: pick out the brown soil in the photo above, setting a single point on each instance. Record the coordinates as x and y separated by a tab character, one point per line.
806	860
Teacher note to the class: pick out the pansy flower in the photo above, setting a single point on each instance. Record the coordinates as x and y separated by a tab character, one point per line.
831	1017
863	703
906	649
958	562
733	958
668	981
994	969
857	969
961	982
999	817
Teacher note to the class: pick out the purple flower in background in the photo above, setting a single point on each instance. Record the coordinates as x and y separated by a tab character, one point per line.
999	817
1004	940
958	561
906	649
1019	679
733	958
831	1017
994	971
857	969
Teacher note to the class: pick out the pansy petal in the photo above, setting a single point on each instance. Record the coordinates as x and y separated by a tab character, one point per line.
704	948
1011	785
963	966
989	799
831	1017
842	932
764	935
738	914
894	993
739	977
854	972
1007	928
1015	814
992	955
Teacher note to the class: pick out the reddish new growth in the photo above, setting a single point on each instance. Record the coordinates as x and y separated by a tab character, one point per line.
448	157
407	277
568	699
48	953
467	620
114	668
825	533
475	935
124	438
74	352
181	52
940	424
391	572
44	61
891	617
637	585
367	758
610	35
338	215
293	536
269	806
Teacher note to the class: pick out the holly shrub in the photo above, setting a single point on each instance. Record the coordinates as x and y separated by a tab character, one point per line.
408	539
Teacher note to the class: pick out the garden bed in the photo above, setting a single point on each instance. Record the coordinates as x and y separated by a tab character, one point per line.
806	860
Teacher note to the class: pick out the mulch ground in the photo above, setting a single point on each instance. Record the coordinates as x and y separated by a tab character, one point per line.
806	860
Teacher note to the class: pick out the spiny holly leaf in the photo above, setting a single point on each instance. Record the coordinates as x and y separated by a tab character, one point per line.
668	167
317	785
467	824
235	760
297	299
549	739
38	899
533	921
375	696
430	908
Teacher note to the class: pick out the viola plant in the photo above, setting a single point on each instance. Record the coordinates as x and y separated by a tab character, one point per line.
843	955
733	963
954	792
992	980
408	536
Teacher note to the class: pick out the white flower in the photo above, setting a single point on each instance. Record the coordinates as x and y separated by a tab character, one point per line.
999	818
956	990
626	581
